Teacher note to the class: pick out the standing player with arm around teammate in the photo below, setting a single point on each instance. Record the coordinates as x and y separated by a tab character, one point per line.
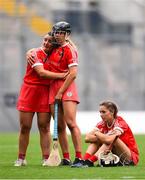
34	97
62	124
64	58
111	134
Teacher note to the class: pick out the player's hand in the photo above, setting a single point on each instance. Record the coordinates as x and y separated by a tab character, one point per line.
58	101
58	97
65	75
30	57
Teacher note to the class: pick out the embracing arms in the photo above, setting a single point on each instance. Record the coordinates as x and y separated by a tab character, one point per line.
96	135
40	69
69	79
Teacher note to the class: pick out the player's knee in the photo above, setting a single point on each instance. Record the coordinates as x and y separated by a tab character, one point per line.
61	128
43	128
72	126
48	129
87	139
25	129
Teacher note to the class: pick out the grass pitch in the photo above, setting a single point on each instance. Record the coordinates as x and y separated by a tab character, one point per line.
34	170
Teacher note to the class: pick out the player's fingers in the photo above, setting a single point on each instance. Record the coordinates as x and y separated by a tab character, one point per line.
57	100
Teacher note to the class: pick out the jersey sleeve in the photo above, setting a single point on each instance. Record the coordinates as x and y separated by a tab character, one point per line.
72	56
120	125
37	59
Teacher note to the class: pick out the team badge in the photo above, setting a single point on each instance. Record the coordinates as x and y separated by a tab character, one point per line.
69	94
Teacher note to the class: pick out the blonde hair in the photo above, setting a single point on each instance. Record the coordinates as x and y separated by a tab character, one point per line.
72	43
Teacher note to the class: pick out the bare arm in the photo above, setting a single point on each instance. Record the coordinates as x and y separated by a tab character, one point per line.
40	69
107	138
69	79
30	57
91	137
97	136
48	74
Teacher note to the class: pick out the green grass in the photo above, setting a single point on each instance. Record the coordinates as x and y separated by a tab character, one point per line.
34	170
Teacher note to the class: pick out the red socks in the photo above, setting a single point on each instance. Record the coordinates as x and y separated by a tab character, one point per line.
66	155
87	156
79	155
93	158
21	156
90	157
45	156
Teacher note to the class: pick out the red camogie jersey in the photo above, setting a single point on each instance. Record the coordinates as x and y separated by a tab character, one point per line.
62	58
127	136
31	76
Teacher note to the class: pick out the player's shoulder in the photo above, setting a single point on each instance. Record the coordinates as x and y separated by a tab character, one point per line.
120	118
38	50
120	121
70	47
100	124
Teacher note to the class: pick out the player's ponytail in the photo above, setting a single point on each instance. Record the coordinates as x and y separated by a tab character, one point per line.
71	43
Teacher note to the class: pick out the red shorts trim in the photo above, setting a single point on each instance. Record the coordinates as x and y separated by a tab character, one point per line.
33	98
70	94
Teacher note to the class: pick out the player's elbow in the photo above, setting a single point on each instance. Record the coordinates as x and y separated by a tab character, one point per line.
87	138
73	76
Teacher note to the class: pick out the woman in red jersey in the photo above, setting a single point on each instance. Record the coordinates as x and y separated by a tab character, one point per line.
34	97
112	133
62	59
65	58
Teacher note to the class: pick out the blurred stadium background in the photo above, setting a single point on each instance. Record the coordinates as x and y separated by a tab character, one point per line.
109	34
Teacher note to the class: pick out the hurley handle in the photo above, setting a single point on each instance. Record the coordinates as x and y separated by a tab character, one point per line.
55	133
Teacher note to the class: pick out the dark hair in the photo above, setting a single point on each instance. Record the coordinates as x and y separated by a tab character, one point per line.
50	33
111	106
62	26
48	53
53	41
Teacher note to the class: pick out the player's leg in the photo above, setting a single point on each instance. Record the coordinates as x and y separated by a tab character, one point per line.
25	127
121	149
92	149
63	138
49	136
70	108
118	147
92	153
62	135
43	121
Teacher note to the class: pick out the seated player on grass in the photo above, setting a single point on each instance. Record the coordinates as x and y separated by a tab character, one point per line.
110	134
